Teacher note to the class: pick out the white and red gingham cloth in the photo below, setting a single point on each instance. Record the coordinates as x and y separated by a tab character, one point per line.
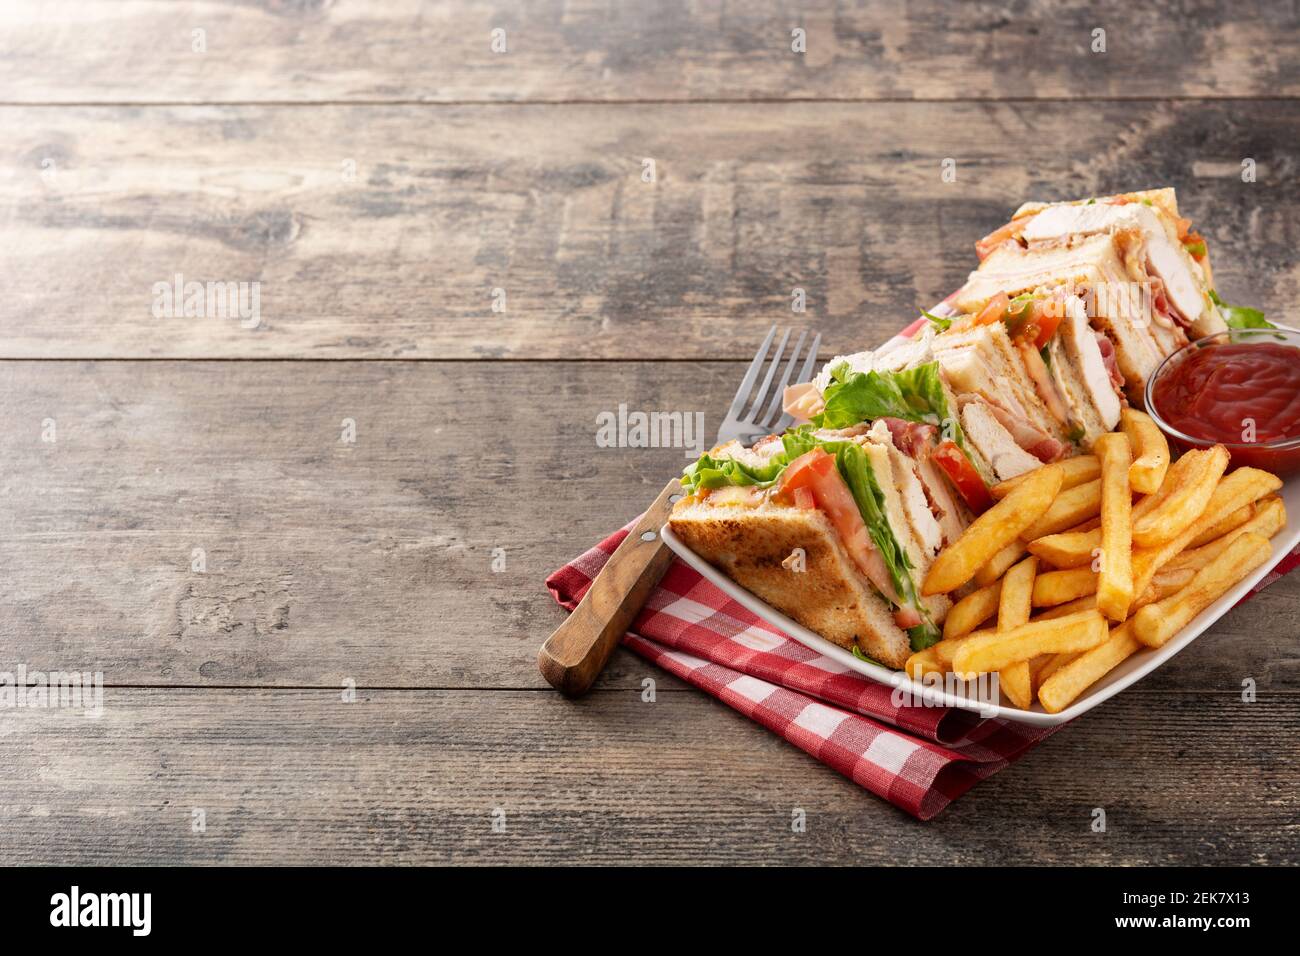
918	758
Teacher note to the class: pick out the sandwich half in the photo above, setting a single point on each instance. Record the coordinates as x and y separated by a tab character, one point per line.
1106	273
1172	257
821	525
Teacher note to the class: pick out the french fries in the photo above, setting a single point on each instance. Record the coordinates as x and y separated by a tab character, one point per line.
1057	587
1000	563
972	611
945	649
1059	690
1085	603
987	651
1156	623
1044	666
1068	549
992	531
1091	560
1219	529
1013	611
1268	520
1150	451
1165	582
1186	501
922	663
1073	506
1241	487
1115	580
1074	471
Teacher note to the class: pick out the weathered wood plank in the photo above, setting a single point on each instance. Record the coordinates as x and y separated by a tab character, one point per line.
415	777
656	49
547	204
370	560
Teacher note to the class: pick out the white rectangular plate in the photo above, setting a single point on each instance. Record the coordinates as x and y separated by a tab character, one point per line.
1129	672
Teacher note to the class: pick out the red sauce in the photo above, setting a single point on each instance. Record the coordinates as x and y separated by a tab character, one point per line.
1221	392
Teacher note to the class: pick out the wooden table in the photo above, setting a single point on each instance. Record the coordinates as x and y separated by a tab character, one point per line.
183	511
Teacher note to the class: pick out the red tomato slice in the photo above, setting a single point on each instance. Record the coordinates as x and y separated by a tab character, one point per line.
1047	317
996	238
815	472
906	617
995	310
1035	320
958	469
803	498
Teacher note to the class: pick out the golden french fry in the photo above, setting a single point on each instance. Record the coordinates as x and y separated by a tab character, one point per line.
1172	478
992	531
945	649
1014	680
1156	623
1165	582
1241	487
1092	524
999	563
1220	528
922	663
1085	603
1071	507
1044	666
1067	549
1013	611
1074	471
1017	593
1268	520
987	651
1060	689
1184	503
1115	580
1150	450
1057	587
972	611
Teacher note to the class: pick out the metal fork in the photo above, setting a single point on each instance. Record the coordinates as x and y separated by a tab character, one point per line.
575	654
748	426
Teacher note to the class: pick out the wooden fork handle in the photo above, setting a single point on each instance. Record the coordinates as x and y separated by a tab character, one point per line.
575	654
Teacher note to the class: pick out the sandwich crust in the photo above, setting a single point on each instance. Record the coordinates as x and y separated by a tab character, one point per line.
830	597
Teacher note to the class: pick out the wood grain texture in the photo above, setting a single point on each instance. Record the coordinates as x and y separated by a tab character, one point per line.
415	777
316	50
368	561
377	228
547	204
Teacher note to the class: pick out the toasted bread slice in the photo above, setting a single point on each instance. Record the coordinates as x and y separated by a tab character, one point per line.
830	597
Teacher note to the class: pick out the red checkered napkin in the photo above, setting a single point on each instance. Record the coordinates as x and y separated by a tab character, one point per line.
917	758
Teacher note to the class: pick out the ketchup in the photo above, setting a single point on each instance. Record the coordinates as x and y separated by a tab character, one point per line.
1219	393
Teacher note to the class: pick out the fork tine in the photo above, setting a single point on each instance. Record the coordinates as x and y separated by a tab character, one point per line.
761	394
751	376
770	416
805	375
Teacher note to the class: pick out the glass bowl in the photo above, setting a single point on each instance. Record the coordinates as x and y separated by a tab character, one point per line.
1280	456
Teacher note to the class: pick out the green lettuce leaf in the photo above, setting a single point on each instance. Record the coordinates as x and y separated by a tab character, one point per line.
1240	317
914	395
857	652
926	634
709	472
941	323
